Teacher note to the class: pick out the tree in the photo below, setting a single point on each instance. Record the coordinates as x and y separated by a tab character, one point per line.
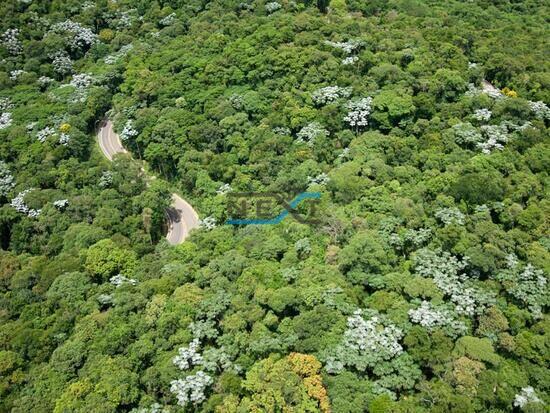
477	349
479	188
348	392
10	371
426	191
464	375
338	6
157	198
108	386
448	84
69	290
364	255
392	108
6	180
147	216
322	5
366	343
291	383
105	258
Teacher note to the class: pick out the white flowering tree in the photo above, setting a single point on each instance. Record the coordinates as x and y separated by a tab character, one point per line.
82	80
348	48
62	63
129	131
449	276
321	179
495	136
431	317
482	115
473	90
5	115
208	223
5	120
5	104
16	74
120	280
10	40
366	342
7	181
330	94
44	81
18	203
417	237
358	113
154	408
168	20
450	216
115	57
188	356
224	189
77	37
281	131
310	133
345	154
526	284
124	20
191	389
106	179
81	84
272	7
64	139
350	60
236	100
61	204
371	345
540	109
525	397
410	238
466	134
105	299
30	127
43	134
289	274
486	138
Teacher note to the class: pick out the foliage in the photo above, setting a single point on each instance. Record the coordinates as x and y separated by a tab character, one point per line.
366	343
422	126
292	383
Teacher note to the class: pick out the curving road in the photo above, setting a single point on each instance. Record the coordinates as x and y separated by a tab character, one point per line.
181	216
487	87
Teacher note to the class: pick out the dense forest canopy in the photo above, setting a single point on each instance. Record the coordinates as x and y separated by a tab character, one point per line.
422	124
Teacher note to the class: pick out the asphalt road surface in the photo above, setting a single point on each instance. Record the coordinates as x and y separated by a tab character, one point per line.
181	216
489	88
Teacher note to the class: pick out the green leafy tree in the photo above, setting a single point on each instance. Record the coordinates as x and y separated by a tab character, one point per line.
105	259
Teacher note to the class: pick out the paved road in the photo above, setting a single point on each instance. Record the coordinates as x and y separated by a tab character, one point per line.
181	216
487	87
109	142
